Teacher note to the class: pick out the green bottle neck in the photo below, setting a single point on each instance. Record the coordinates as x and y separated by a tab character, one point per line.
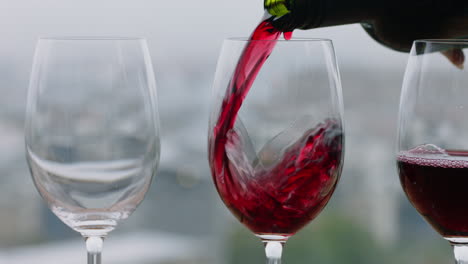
277	8
296	14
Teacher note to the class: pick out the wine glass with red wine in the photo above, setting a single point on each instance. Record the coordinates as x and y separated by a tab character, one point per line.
92	131
276	134
432	156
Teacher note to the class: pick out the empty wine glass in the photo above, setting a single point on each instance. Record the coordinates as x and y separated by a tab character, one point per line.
432	154
92	131
276	148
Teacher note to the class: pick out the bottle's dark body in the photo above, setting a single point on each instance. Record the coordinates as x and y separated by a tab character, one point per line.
393	23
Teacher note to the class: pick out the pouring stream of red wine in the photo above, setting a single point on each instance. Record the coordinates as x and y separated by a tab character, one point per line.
251	61
282	197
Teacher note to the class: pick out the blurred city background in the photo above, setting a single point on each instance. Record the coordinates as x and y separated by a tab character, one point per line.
182	220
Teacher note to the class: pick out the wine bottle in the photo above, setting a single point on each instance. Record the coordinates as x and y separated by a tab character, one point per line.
393	23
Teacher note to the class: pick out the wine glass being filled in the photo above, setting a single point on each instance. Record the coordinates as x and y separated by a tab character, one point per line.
276	134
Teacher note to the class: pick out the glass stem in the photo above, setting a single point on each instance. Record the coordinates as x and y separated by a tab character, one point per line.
461	253
94	248
274	251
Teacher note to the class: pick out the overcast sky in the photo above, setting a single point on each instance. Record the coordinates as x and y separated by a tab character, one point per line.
177	30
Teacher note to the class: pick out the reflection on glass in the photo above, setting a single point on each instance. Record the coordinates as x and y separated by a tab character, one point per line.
92	131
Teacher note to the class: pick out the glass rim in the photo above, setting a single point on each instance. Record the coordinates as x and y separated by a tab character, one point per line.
442	41
246	39
96	38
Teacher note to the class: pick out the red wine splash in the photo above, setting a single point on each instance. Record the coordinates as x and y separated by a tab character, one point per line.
281	197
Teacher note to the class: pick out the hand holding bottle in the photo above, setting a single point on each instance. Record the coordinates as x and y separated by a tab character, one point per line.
455	56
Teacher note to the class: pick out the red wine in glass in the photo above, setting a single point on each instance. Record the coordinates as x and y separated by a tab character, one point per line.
278	198
436	184
433	111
